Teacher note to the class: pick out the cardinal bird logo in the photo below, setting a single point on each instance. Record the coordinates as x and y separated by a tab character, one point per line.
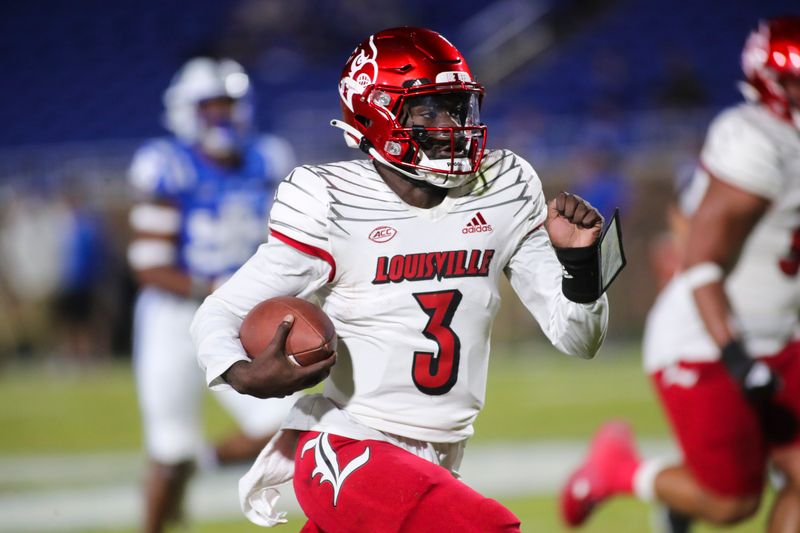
327	464
363	71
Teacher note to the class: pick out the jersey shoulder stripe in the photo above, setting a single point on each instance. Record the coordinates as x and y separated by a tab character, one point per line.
300	208
307	249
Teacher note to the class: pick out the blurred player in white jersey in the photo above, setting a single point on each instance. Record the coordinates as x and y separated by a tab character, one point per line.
721	342
202	201
405	250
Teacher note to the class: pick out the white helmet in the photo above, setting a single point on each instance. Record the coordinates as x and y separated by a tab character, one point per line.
201	79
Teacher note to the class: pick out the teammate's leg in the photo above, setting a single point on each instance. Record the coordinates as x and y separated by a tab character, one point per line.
722	476
724	454
238	447
785	514
666	520
258	421
344	485
677	487
165	485
169	388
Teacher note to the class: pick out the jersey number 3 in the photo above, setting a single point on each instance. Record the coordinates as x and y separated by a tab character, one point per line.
436	373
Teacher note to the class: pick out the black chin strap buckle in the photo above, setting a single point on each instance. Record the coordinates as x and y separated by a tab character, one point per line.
365	146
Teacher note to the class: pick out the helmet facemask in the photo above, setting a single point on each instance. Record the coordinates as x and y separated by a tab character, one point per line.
440	136
223	125
432	132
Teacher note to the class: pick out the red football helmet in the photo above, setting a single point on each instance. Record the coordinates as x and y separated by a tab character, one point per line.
394	70
771	54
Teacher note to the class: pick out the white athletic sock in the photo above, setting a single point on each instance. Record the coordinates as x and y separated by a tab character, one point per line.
644	479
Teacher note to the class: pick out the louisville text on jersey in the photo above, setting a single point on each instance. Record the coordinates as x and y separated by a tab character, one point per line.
429	265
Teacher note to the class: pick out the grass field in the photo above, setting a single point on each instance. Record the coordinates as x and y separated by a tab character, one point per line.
532	394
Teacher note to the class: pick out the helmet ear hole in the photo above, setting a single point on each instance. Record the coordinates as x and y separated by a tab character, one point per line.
364	121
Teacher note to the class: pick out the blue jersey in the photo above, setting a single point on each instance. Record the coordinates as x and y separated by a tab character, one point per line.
222	212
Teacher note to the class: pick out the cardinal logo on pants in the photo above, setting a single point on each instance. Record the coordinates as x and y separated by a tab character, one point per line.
327	464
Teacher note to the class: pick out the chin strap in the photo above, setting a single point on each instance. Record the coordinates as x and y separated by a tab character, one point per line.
365	146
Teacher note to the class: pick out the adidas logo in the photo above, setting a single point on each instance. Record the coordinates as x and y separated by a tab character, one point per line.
478	224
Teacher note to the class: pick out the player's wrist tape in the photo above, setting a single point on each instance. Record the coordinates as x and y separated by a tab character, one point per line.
703	274
581	280
751	375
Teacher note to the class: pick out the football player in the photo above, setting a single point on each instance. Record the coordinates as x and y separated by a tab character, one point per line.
405	250
721	342
202	200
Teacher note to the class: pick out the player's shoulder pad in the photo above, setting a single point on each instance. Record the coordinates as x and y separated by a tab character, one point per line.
740	148
307	176
161	166
740	126
300	208
304	189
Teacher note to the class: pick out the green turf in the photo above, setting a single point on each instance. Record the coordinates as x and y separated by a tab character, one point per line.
622	515
536	393
532	393
538	515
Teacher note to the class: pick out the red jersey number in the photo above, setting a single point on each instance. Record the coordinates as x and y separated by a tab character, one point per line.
436	373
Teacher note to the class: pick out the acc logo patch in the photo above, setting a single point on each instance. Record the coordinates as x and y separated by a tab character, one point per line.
382	234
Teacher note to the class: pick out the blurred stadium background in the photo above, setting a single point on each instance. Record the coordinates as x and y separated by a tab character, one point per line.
607	98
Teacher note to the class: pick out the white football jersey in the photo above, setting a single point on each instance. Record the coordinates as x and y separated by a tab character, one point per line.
751	149
412	292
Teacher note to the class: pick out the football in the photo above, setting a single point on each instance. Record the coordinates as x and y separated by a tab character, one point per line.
311	339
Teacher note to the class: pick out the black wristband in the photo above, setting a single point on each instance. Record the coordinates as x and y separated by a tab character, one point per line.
581	281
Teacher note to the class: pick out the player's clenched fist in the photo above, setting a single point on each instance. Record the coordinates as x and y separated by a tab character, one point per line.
572	222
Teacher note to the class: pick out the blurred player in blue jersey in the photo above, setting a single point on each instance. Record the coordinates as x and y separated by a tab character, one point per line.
202	200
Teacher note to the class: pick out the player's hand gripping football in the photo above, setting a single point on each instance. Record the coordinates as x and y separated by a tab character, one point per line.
271	374
572	222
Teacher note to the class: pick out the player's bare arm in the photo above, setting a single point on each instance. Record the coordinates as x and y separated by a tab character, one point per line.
271	374
154	248
572	222
172	280
718	231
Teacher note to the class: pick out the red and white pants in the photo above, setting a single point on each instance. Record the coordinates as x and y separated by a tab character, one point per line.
349	486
